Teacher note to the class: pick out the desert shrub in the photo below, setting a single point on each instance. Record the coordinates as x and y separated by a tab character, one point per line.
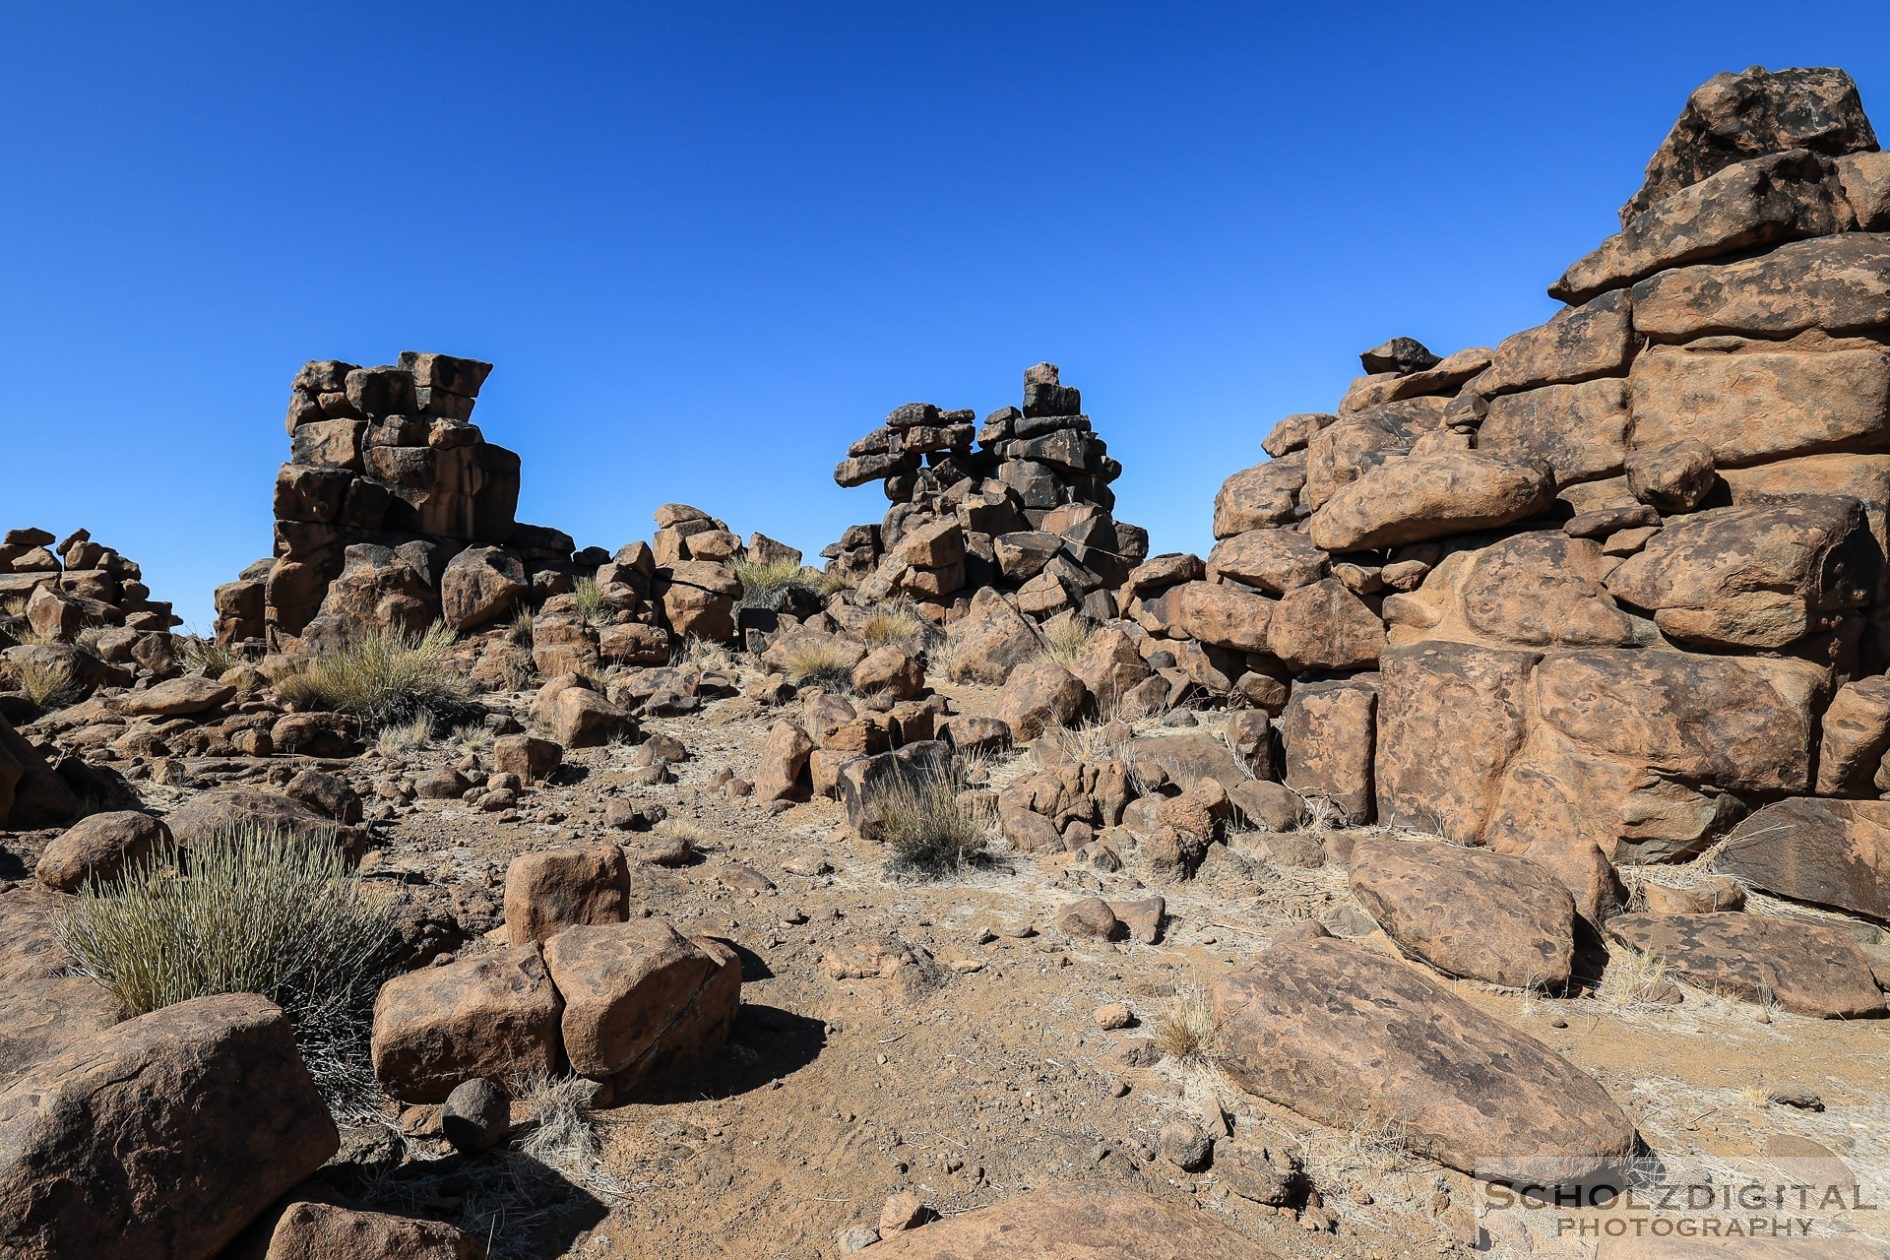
386	678
833	581
558	1119
818	661
927	821
770	583
524	621
591	605
398	741
1065	637
48	685
1185	1032
253	911
702	653
13	615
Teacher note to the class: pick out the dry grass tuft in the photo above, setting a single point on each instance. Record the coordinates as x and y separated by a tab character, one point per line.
1065	637
897	623
398	741
771	583
386	679
833	581
1186	1030
254	912
524	621
559	1131
48	684
928	822
591	605
812	661
701	653
200	655
1636	981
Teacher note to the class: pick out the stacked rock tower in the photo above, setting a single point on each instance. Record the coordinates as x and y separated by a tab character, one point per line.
1027	509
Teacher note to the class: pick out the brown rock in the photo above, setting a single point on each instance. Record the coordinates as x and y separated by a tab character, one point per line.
1325	627
495	1015
1221	614
1752	403
1528	590
179	697
1760	201
1259	497
1856	736
161	1137
641	1000
1353	1039
1834	283
1328	732
1675	478
1090	917
1468	912
327	1231
527	756
227	810
580	718
991	639
1752	577
1827	853
1038	696
1293	432
1579	431
1807	968
100	848
1734	117
781	774
481	585
1424	497
889	671
1272	560
552	889
1578	344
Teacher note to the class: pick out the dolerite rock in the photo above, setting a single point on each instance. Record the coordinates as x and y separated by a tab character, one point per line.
229	811
179	697
1827	853
495	1015
160	1138
100	848
481	585
1092	1220
992	639
553	889
1833	283
31	794
1807	968
1733	117
1430	496
1468	912
1351	1038
43	1007
328	1231
476	1115
642	1001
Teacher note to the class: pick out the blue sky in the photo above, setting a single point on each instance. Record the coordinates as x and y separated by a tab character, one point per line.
708	245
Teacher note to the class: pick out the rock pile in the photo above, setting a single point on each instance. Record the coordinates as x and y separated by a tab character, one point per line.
392	512
1027	511
1619	580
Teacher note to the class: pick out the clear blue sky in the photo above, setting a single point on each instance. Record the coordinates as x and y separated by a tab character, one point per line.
708	245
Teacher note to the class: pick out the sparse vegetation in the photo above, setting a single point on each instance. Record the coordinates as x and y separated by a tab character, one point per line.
200	655
13	615
397	741
818	661
1636	980
770	583
591	605
254	912
524	620
929	823
559	1130
896	623
1065	637
833	581
701	653
49	685
1186	1030
385	678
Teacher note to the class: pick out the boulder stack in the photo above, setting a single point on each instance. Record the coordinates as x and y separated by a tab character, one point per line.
388	483
1021	503
1602	583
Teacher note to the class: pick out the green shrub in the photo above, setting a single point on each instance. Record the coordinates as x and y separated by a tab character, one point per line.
386	678
591	605
251	911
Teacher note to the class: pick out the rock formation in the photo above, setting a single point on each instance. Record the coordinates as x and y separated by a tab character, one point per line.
1028	511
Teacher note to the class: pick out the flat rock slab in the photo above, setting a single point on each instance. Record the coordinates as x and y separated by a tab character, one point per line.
1469	912
1352	1038
42	1010
1829	853
1078	1221
1807	968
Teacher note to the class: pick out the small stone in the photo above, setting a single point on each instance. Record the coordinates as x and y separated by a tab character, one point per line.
902	1211
1795	1094
1114	1015
476	1115
1182	1144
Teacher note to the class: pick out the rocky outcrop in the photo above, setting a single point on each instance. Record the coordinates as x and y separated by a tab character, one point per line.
1020	503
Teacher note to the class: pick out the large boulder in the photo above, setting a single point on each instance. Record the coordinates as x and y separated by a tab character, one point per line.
1272	560
1220	614
698	599
1734	117
1750	402
1422	497
1827	853
550	890
1579	431
31	794
1753	577
1855	736
1782	196
1325	626
481	585
43	1007
1579	344
1093	1220
1540	589
1353	1039
495	1015
642	1001
160	1138
230	810
991	639
1833	283
1807	968
100	848
1040	696
328	1231
1259	497
1327	732
1468	912
186	696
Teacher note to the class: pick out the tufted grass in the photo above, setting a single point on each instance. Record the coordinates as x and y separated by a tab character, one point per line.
927	822
386	679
